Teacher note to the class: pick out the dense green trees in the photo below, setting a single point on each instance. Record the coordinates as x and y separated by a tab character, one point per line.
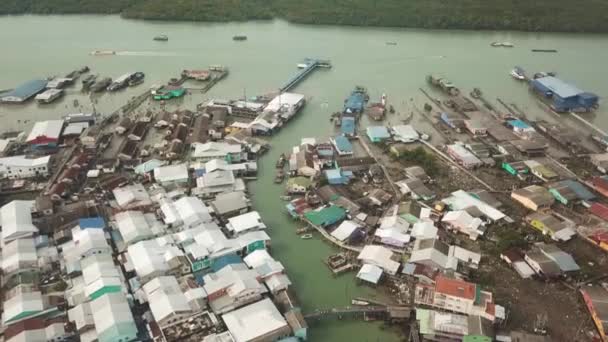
536	15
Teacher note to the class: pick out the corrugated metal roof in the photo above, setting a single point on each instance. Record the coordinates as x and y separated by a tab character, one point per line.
27	89
559	87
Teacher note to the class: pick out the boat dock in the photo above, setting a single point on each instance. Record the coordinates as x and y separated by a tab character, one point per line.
311	65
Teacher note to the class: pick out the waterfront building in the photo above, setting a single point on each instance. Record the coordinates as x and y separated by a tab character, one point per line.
550	261
345	231
245	223
169	304
556	226
232	153
133	196
19	167
45	134
230	204
570	191
347	126
172	175
24	91
271	272
285	105
405	133
135	226
463	222
377	134
563	96
370	273
257	322
338	177
379	256
342	145
463	156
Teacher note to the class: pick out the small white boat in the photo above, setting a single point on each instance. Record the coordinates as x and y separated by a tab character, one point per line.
49	95
302	66
306	237
518	73
103	53
507	44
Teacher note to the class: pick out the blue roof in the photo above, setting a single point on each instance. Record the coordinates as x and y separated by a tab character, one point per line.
348	125
518	124
224	261
559	87
27	89
333	174
355	102
148	166
91	222
343	144
579	189
379	132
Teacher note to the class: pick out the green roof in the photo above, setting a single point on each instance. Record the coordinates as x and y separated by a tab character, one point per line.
24	314
105	290
326	216
122	332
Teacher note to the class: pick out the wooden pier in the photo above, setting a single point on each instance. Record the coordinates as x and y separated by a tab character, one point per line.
331	239
311	65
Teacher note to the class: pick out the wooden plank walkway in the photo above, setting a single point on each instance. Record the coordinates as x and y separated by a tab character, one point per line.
332	239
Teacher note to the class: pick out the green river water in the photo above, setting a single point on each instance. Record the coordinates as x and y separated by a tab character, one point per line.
37	47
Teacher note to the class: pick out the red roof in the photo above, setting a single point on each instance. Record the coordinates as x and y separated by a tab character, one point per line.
600	183
599	236
491	309
455	287
17	328
599	210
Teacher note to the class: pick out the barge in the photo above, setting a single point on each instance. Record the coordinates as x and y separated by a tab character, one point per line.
49	95
161	38
121	82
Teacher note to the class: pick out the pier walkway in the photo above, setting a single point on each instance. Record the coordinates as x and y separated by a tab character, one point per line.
331	239
347	312
311	65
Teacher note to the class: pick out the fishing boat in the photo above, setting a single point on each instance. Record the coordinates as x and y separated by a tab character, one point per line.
391	43
49	96
359	302
279	177
501	44
543	74
161	38
301	231
544	50
286	198
391	109
518	73
476	93
137	78
121	82
88	81
306	237
103	53
302	66
239	37
281	162
101	85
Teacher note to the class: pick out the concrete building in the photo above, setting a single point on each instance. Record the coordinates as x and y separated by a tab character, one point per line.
154	258
461	221
232	153
45	133
257	322
379	256
168	303
230	204
19	167
404	133
135	226
556	226
187	211
458	296
132	196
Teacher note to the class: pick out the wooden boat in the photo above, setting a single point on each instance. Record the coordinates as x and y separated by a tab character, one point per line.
279	177
391	43
518	73
476	93
281	162
301	231
239	37
286	198
544	50
391	109
306	237
161	38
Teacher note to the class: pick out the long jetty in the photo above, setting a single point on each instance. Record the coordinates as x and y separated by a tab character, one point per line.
348	312
331	239
311	65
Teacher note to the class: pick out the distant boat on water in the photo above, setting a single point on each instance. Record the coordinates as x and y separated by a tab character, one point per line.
239	37
391	43
161	38
502	44
518	73
103	53
544	50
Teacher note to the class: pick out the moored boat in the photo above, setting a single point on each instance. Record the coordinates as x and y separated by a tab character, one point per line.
103	53
279	177
306	236
88	81
49	95
161	38
518	73
239	37
101	85
137	78
281	162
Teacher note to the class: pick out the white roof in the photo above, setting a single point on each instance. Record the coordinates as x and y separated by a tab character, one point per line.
23	161
393	234
215	179
461	200
395	222
22	302
88	239
169	211
50	129
235	279
215	149
405	133
465	255
3	144
149	256
134	194
111	310
257	258
464	154
75	128
254	320
17	220
463	221
133	226
171	173
424	230
98	271
379	256
93	173
283	100
248	221
17	253
165	297
370	273
344	230
81	315
421	254
192	210
277	282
